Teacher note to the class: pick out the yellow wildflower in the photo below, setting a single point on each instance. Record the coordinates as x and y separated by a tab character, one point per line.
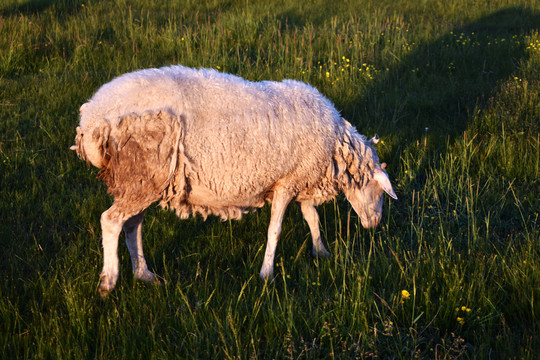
405	295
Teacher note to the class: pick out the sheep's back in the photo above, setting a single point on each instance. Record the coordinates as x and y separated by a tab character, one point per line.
246	140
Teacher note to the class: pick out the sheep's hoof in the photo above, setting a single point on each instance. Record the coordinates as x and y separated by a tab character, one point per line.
106	285
266	275
320	253
148	277
103	293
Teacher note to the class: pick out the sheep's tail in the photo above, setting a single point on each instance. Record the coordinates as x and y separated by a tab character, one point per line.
355	158
78	147
91	147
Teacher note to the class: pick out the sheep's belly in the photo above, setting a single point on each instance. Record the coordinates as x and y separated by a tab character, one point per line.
201	196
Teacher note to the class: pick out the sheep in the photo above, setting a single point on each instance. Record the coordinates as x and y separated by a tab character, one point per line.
203	142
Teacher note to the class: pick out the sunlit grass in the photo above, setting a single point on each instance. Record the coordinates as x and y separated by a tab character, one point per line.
452	88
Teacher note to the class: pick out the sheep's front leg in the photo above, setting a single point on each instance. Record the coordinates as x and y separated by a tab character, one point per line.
133	232
111	225
279	204
312	218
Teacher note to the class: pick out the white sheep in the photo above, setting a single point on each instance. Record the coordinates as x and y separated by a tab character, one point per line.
205	142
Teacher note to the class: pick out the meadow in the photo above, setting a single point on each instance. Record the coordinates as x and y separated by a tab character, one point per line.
452	272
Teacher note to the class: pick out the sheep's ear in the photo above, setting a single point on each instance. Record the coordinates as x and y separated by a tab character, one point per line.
373	141
384	182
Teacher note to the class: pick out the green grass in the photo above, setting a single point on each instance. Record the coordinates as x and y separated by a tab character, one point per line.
451	87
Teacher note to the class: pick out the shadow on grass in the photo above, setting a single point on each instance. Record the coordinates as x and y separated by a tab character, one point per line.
439	84
35	7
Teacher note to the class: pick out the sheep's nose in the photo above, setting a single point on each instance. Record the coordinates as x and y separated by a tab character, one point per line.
368	224
371	222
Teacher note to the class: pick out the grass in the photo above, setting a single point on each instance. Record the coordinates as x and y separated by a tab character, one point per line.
451	87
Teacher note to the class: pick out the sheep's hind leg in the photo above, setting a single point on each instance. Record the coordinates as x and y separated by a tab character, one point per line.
111	226
312	218
133	233
279	203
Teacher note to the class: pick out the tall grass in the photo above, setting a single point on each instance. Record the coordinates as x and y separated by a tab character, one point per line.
451	87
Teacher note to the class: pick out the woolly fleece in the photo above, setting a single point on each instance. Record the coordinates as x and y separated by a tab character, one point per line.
239	138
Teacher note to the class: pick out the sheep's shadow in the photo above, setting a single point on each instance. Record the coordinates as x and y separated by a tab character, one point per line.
35	7
436	87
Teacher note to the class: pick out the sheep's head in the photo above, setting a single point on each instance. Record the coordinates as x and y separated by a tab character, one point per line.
367	200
